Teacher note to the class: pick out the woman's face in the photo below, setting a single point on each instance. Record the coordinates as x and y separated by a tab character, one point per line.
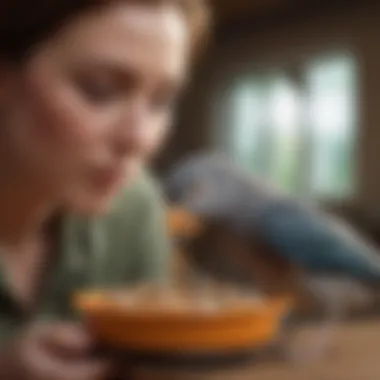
95	102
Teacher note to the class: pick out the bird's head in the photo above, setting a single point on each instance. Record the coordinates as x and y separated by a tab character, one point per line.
213	188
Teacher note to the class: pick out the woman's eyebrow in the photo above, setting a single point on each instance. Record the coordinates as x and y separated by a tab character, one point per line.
121	70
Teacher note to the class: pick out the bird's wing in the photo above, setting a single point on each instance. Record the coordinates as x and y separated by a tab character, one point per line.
317	242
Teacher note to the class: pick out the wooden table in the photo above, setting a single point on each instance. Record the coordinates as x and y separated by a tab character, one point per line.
354	354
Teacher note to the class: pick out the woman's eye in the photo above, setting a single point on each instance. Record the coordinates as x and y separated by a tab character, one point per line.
98	91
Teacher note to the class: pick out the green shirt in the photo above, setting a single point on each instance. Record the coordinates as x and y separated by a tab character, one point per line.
128	245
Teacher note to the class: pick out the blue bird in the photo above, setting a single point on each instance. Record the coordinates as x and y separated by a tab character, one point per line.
212	187
304	247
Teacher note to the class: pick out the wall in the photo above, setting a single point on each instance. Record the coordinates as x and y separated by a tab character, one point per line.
354	28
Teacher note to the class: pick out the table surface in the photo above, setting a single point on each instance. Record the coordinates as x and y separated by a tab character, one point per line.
353	354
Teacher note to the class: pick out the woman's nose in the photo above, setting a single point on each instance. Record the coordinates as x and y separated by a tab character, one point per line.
132	130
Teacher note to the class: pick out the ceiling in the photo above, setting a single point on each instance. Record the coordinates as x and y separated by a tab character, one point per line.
225	10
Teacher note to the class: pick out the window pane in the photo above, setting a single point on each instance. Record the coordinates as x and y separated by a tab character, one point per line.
247	118
285	119
300	135
250	136
265	132
331	88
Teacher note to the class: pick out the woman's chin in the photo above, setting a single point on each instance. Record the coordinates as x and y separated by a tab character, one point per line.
88	200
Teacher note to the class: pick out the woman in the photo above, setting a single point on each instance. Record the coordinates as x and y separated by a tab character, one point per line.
86	96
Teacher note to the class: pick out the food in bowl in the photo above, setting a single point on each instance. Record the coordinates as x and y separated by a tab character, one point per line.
167	319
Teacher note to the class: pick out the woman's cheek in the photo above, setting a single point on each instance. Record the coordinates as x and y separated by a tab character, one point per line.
59	121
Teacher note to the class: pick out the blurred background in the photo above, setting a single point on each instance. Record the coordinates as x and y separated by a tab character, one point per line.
290	90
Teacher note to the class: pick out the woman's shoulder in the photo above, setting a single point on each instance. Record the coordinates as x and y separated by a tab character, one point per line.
142	193
130	241
134	206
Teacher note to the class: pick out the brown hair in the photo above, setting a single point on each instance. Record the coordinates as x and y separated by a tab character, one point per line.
25	24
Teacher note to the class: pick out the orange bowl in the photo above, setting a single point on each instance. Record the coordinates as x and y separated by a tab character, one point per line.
170	323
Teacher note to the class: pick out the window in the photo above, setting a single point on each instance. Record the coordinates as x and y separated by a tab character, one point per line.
297	127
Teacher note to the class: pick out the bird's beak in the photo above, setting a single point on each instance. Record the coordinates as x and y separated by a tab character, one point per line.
182	224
